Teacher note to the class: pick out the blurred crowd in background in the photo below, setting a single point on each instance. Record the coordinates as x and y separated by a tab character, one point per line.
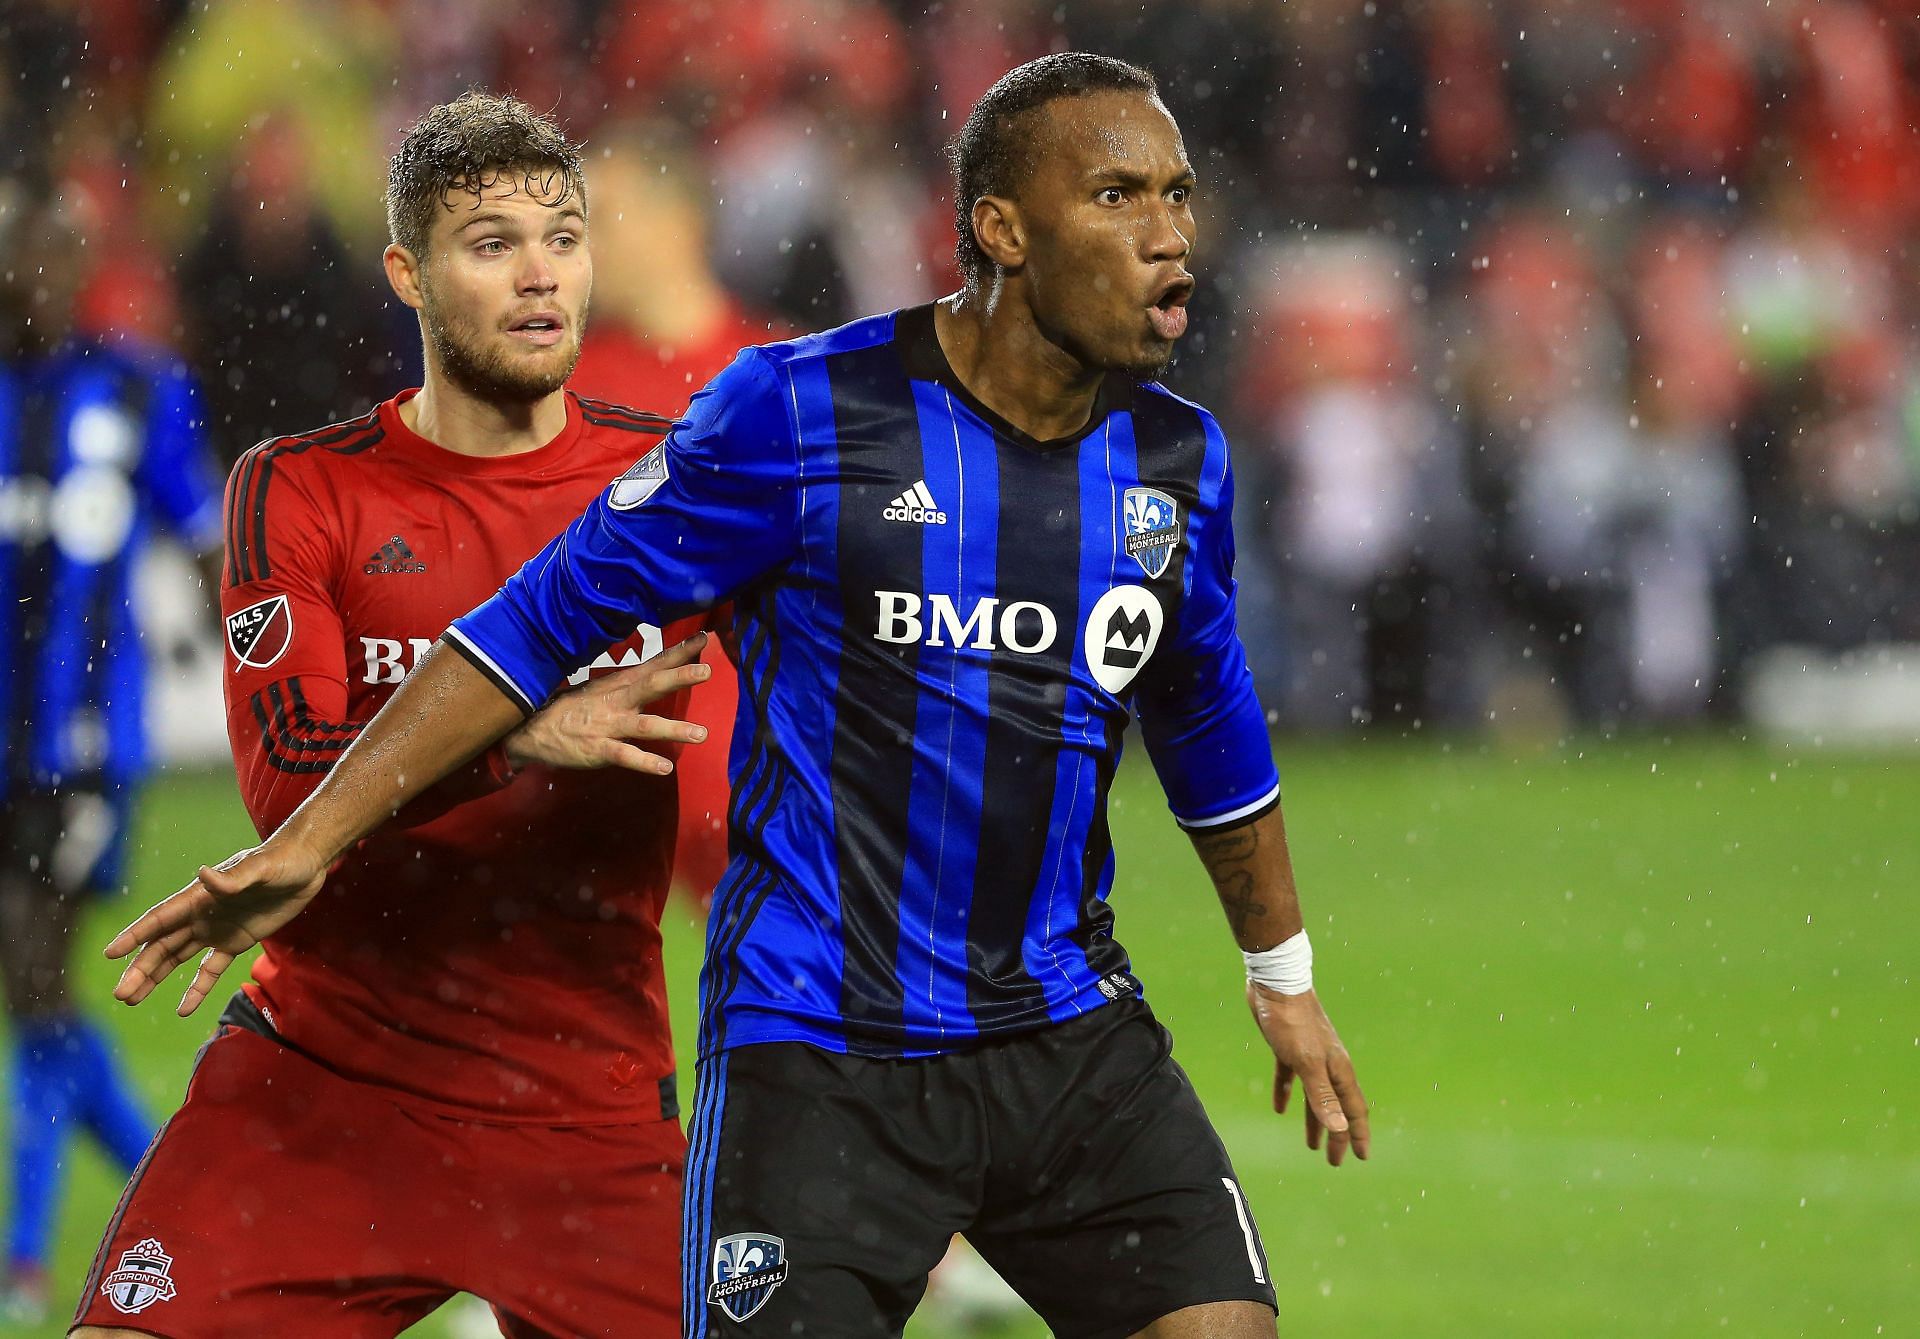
1568	346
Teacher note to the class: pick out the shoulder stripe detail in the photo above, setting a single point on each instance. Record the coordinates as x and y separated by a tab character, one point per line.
247	555
335	432
651	427
483	662
236	489
608	409
1246	813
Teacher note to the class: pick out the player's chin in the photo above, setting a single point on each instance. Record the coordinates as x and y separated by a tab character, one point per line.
541	371
1146	360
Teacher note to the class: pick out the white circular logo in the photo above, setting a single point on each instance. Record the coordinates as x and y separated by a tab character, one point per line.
103	435
1122	631
93	510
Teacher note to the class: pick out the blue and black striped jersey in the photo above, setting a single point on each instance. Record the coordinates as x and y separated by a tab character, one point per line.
97	444
944	624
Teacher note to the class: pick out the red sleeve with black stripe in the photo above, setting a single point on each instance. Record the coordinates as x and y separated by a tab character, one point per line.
286	647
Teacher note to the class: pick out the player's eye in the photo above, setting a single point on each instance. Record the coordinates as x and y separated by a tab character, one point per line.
1181	195
566	241
493	246
1113	195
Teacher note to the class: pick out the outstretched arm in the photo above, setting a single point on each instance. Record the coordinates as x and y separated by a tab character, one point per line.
444	714
1253	875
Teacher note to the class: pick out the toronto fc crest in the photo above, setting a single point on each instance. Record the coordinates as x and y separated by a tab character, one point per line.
144	1277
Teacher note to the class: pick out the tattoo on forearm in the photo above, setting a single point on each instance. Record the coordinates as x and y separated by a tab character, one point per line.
1229	858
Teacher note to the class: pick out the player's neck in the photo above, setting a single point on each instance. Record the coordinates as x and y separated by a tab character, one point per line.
470	426
1007	364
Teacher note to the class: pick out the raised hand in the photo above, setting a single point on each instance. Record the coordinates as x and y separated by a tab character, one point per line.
220	915
1306	1047
595	724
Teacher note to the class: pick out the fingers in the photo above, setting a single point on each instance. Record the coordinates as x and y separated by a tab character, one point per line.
1282	1087
1324	1114
619	753
155	963
641	685
220	880
666	728
671	670
1352	1101
680	653
163	918
214	962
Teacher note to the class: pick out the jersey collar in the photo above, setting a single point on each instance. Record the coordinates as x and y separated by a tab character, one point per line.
436	457
920	351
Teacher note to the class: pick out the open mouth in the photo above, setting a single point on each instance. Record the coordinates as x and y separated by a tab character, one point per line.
1167	313
539	328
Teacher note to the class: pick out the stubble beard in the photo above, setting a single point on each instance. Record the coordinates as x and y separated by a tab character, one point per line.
1147	367
489	375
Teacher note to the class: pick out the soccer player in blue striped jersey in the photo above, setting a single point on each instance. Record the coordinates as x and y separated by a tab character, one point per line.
964	541
100	446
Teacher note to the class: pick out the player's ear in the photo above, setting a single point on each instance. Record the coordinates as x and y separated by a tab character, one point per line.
1000	231
403	274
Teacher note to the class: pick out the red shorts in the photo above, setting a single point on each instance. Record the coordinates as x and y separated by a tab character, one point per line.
284	1199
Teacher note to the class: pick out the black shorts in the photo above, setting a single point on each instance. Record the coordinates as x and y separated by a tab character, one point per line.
822	1188
71	841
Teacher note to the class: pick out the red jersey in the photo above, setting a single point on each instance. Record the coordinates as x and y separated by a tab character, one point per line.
621	364
495	949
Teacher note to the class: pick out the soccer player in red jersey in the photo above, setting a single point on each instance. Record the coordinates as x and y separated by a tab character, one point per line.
457	1075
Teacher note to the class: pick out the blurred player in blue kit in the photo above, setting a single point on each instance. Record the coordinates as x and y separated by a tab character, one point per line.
100	442
964	542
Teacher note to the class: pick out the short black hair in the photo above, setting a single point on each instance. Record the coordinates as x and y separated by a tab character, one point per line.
468	145
992	153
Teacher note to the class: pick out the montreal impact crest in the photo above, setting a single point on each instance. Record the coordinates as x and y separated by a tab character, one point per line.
1153	528
747	1267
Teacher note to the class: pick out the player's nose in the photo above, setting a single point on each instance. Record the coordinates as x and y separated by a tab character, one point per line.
537	276
1166	243
1164	239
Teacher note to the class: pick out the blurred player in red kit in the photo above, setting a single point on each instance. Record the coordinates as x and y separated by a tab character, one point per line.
661	331
458	1076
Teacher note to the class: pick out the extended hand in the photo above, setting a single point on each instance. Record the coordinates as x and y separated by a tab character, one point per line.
1306	1046
221	914
594	725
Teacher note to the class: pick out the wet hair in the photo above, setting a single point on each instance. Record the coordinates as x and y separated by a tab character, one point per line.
466	147
993	153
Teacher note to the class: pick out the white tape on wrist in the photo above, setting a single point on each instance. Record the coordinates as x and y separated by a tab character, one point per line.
1286	967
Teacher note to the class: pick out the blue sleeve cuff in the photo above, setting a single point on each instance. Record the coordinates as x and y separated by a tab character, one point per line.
1217	770
1237	816
485	639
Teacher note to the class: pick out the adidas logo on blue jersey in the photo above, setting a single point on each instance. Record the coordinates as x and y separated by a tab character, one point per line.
915	505
393	556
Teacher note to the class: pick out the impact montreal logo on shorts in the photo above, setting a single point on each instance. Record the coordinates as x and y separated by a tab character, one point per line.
747	1267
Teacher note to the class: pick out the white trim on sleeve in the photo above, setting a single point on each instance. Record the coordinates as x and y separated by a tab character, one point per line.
500	677
1219	819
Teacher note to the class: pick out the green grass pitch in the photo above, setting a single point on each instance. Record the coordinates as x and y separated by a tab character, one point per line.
1639	1023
